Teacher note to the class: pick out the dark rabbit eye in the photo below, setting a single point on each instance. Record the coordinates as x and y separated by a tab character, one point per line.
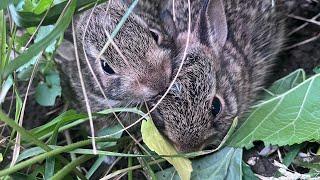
216	106
106	67
156	35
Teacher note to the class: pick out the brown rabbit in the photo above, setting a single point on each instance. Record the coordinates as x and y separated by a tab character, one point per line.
232	47
142	71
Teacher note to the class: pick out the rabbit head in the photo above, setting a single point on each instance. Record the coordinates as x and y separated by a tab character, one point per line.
190	113
225	66
138	68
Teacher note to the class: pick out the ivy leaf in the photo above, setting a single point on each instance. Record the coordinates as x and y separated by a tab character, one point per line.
225	164
46	93
289	118
155	141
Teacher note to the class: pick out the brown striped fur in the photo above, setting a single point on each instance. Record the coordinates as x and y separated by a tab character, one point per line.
233	69
234	72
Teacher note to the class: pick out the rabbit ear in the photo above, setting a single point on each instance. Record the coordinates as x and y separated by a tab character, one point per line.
216	21
169	24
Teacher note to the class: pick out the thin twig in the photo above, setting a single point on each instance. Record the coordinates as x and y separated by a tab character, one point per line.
313	21
94	148
17	146
303	25
303	42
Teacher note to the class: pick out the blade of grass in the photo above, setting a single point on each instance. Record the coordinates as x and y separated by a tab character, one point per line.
30	137
67	169
130	174
95	166
5	88
72	119
50	162
290	156
61	149
3	44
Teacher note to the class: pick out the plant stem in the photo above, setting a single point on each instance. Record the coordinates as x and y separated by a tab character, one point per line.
130	171
66	170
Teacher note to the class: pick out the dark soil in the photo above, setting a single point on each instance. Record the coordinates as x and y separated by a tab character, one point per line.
306	56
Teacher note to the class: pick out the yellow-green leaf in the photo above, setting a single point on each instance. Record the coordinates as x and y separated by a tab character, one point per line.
156	142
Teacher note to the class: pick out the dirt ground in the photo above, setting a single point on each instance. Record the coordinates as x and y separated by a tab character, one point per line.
296	54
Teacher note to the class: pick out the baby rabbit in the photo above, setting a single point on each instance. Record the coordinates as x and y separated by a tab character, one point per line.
232	47
141	71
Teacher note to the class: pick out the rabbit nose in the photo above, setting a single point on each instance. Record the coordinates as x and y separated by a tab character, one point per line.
188	147
147	91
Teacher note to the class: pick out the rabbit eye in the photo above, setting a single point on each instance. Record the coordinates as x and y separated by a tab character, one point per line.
216	106
106	67
156	35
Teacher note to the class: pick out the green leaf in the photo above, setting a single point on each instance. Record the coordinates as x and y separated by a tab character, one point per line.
247	173
43	33
3	41
1	157
50	162
225	164
95	166
290	156
316	70
286	83
42	6
27	5
108	131
38	47
21	41
155	141
46	93
65	117
5	88
25	67
29	19
290	118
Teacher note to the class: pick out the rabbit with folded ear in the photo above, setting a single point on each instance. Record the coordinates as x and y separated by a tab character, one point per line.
138	70
230	53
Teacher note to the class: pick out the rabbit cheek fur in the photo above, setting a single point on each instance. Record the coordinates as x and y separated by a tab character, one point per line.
139	73
228	59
